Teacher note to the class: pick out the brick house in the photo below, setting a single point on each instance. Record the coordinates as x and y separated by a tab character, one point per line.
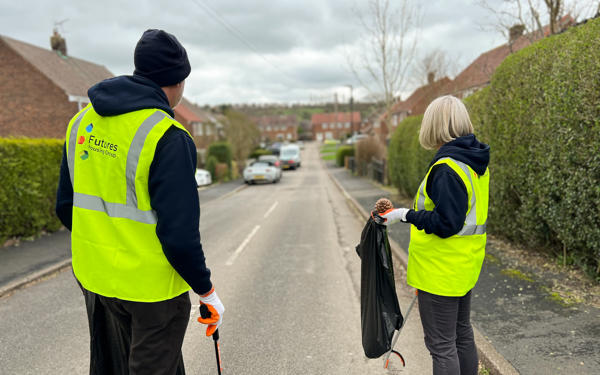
336	125
203	126
42	89
277	127
474	77
386	122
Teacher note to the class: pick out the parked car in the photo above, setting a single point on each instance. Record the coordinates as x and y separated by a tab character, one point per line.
355	138
261	171
203	177
273	160
290	157
275	148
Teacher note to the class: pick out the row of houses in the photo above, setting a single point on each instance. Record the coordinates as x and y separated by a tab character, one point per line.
474	77
43	88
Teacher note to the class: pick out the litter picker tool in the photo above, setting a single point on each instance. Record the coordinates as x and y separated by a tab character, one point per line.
386	356
204	313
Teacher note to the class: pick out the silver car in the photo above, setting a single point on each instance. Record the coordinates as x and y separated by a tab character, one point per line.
261	171
273	160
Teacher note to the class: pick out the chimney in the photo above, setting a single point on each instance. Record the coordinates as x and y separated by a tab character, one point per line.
515	32
58	43
430	77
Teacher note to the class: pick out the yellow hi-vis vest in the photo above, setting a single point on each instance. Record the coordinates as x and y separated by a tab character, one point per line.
115	249
450	266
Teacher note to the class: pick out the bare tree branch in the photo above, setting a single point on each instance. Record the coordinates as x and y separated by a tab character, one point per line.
388	47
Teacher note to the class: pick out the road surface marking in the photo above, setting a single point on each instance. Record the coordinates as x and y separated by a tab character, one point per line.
240	248
271	209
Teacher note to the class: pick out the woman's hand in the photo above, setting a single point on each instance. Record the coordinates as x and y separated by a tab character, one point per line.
393	215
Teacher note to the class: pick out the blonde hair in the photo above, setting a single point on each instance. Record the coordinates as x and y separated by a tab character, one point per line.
445	119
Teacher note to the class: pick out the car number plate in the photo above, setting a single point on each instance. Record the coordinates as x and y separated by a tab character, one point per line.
259	177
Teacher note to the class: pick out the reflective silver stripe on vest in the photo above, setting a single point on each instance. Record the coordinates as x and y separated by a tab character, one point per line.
421	199
91	202
470	226
135	150
73	144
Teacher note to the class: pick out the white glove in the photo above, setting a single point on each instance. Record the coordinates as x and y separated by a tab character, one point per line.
393	215
215	308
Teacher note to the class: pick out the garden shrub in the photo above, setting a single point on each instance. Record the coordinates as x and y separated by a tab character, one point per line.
541	117
366	150
223	152
341	154
29	173
259	152
408	162
211	166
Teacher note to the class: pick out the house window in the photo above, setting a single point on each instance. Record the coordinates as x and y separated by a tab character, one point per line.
209	129
377	124
324	125
347	125
268	128
197	128
340	125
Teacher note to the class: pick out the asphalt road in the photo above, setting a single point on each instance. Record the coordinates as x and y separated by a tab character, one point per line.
283	262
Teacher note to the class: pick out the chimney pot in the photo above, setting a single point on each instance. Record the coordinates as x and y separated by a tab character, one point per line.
58	43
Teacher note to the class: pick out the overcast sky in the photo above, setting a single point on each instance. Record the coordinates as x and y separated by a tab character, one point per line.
301	44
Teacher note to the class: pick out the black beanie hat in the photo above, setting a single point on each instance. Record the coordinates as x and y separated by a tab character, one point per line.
161	58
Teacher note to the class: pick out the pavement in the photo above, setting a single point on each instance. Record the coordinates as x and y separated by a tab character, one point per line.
520	327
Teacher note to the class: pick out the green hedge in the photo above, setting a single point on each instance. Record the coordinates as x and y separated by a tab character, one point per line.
341	154
222	151
211	166
541	117
29	173
259	152
407	160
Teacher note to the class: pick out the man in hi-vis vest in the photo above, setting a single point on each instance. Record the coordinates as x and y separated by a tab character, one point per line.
128	194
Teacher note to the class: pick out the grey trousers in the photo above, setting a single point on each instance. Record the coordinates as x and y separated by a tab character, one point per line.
134	338
448	333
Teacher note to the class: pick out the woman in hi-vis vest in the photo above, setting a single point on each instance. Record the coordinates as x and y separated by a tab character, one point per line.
448	234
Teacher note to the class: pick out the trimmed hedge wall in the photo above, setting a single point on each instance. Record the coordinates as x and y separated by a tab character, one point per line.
29	170
341	154
541	117
407	160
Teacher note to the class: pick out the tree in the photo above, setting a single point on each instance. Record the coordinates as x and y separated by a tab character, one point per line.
242	134
387	51
433	65
514	18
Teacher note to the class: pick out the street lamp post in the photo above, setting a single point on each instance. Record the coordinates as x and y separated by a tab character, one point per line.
354	131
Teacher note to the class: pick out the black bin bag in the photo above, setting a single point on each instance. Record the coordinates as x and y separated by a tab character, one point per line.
379	309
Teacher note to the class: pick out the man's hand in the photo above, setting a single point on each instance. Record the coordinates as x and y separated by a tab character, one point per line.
215	308
392	215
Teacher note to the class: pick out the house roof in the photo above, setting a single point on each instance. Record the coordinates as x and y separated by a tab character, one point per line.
480	71
190	112
276	120
319	118
418	101
73	75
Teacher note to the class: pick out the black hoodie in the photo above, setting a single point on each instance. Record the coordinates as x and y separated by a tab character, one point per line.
447	190
172	185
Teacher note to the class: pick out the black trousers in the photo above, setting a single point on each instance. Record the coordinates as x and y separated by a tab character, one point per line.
448	333
136	337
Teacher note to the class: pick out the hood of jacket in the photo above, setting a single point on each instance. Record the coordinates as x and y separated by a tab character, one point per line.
123	94
468	150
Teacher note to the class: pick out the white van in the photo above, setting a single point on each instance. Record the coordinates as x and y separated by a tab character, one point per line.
290	156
